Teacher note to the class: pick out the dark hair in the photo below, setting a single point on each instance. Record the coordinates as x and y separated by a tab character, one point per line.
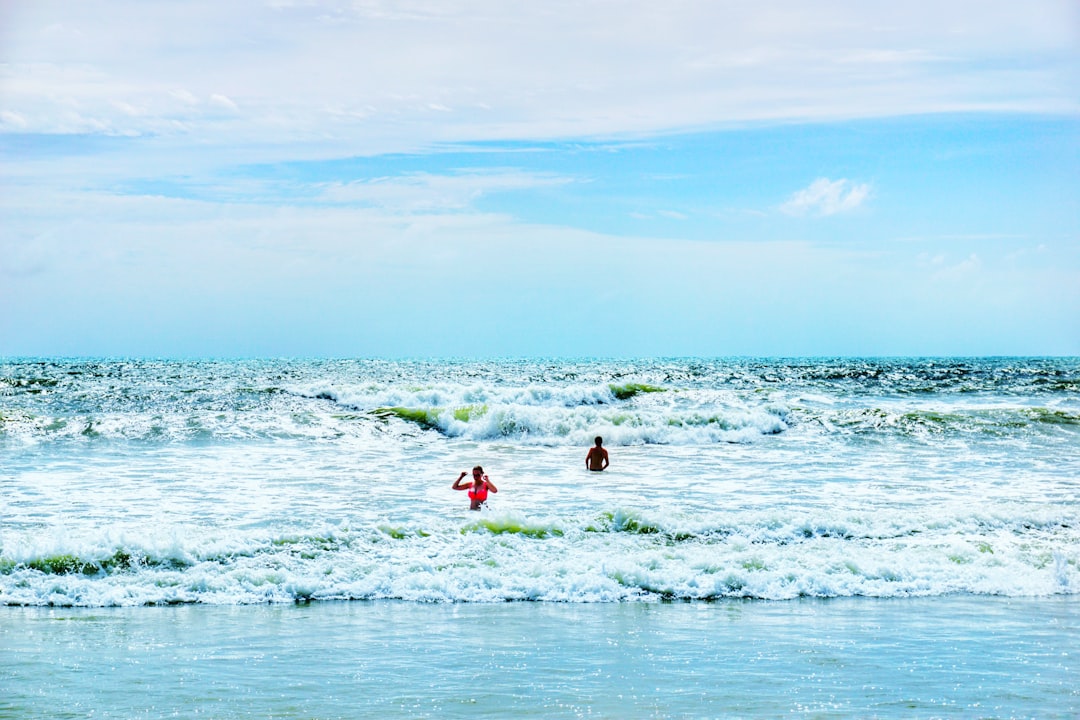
599	440
478	468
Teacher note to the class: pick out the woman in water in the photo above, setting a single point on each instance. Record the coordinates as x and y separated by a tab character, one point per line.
478	490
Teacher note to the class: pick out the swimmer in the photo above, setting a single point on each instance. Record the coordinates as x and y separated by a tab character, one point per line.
597	458
478	490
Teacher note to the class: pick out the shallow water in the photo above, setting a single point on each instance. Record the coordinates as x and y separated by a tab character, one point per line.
964	657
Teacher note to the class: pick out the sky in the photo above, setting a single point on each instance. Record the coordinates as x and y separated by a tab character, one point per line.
579	178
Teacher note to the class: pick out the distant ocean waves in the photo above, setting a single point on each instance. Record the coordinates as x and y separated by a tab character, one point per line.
621	555
630	404
621	423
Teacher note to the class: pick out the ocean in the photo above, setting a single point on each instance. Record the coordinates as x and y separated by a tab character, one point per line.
774	537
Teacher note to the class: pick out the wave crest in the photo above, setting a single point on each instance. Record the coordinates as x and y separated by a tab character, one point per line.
616	556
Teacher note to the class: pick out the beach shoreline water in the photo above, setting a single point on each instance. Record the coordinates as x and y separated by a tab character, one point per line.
950	656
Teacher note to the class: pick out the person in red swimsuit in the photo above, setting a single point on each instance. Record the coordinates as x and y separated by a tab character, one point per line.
478	490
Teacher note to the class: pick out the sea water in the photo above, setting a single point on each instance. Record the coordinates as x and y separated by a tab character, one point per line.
825	537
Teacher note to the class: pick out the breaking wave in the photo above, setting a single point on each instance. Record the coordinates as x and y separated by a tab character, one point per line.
618	555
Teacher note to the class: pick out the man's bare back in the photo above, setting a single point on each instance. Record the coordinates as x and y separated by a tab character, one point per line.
597	459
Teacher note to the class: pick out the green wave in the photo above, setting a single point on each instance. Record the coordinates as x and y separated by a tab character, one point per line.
400	533
504	527
427	419
629	390
1052	417
468	412
631	523
68	564
993	421
697	420
933	421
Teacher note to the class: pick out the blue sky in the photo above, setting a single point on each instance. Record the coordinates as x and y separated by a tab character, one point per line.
472	178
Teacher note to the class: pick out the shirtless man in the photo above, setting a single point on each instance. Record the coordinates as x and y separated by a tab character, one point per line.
597	458
478	489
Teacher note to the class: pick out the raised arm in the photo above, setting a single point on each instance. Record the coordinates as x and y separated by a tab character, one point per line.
490	485
457	483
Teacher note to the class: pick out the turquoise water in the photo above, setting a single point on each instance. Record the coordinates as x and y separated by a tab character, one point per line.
820	538
961	657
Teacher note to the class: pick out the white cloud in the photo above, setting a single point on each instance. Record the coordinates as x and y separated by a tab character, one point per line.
129	109
827	197
380	76
672	214
184	96
424	192
12	120
968	267
223	101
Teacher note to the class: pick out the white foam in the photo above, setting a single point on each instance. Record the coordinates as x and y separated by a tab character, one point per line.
627	556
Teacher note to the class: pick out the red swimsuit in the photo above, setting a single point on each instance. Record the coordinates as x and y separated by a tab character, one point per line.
478	495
